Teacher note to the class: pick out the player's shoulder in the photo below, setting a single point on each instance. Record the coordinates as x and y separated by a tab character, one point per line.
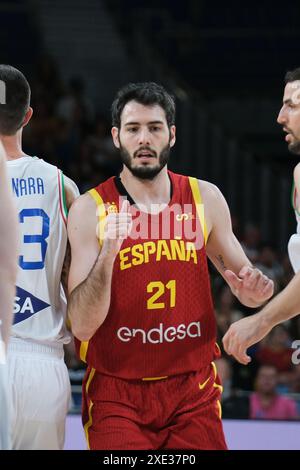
82	219
47	167
44	169
83	206
297	173
38	161
71	190
209	191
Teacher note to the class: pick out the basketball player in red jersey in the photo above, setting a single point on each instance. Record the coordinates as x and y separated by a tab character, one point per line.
140	301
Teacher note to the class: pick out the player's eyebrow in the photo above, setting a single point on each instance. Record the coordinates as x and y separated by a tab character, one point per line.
155	122
133	123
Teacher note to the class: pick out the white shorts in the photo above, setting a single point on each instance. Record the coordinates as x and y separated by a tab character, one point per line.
5	443
39	389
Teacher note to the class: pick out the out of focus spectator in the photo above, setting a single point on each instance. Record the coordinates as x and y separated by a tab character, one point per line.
268	262
265	402
294	327
75	106
251	242
226	311
99	147
46	83
234	405
294	385
236	226
276	351
225	373
287	272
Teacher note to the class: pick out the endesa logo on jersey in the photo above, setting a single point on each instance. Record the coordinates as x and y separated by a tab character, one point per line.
160	335
26	305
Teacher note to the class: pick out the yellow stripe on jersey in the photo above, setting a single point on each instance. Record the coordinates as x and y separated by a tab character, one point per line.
219	349
154	378
215	385
215	370
199	205
83	350
90	420
219	387
101	213
88	425
219	408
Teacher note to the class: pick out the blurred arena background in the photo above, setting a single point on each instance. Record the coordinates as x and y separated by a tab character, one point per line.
225	64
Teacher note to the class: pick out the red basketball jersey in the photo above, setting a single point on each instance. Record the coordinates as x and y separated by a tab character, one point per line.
161	318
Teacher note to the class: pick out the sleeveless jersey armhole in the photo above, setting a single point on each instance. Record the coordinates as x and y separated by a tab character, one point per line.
101	213
62	196
199	205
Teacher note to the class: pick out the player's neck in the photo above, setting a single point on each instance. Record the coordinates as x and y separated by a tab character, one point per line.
147	192
13	146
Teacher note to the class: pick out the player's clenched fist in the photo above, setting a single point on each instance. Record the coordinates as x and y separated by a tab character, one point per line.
117	227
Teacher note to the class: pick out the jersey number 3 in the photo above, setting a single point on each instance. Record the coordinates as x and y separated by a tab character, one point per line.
37	239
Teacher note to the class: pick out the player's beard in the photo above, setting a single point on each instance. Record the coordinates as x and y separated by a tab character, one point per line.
294	147
145	172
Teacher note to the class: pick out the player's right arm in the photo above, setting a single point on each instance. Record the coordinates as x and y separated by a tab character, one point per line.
8	250
91	269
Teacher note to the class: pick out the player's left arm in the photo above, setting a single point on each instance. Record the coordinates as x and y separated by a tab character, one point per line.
247	283
248	331
71	193
297	180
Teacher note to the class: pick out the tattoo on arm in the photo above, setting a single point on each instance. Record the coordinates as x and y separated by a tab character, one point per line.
221	262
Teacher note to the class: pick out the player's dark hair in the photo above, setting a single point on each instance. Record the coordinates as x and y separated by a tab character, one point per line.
292	75
15	99
146	93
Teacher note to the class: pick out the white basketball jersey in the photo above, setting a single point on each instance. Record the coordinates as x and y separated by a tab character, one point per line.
40	303
294	242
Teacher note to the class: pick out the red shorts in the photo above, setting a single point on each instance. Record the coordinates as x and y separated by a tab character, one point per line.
179	412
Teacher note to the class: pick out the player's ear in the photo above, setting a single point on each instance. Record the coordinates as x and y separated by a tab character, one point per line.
115	136
172	135
27	117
